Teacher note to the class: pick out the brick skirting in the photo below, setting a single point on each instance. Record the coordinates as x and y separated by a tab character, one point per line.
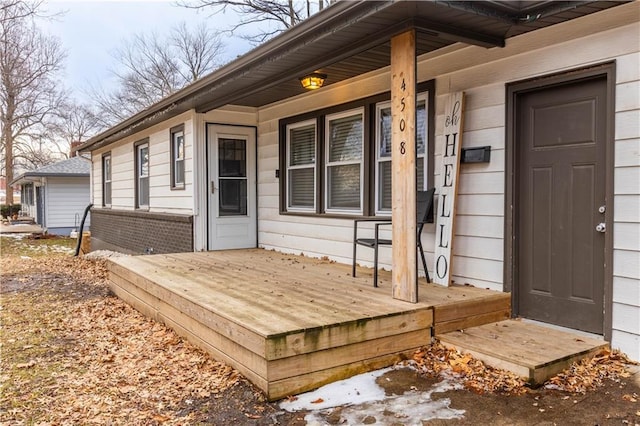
143	232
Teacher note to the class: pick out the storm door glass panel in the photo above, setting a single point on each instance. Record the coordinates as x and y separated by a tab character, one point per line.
232	177
143	175
344	162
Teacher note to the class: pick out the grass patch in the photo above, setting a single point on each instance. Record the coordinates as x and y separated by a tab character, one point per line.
27	245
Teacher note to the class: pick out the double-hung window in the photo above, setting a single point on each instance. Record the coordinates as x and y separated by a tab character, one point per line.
106	180
383	151
177	157
142	175
301	166
337	161
344	167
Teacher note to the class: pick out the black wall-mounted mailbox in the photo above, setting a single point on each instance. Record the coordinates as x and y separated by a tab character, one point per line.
476	155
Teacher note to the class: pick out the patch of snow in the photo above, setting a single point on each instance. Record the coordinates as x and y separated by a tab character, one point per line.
16	236
103	254
362	398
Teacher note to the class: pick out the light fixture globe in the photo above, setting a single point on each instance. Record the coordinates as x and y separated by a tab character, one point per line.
313	81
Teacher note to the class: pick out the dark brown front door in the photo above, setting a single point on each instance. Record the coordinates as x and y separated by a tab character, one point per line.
560	196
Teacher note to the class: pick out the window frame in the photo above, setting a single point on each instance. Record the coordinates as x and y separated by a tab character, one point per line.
313	166
107	157
424	157
138	146
174	132
328	163
368	184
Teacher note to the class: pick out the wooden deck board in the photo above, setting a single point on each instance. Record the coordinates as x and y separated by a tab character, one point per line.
289	323
530	350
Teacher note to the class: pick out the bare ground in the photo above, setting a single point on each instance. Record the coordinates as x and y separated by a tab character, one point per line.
73	353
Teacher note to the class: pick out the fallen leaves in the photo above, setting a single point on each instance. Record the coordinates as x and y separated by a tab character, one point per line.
437	359
73	353
591	373
580	377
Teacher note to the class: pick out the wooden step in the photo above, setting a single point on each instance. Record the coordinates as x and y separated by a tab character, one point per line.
532	351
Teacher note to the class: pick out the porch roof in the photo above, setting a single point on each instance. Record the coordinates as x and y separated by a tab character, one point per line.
347	39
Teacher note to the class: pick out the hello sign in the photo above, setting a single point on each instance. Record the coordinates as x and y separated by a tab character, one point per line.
449	189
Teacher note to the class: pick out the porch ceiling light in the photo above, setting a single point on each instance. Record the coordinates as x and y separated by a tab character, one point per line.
313	81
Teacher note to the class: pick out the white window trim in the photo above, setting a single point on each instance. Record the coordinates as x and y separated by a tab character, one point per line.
175	159
423	96
314	165
139	175
327	164
106	180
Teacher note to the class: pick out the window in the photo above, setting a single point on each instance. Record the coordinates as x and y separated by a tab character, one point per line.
142	175
27	194
106	180
344	161
383	151
301	166
337	161
177	157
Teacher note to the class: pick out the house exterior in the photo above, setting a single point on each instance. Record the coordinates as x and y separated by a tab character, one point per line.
246	158
57	195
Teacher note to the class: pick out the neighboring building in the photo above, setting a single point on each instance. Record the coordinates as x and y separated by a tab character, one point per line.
246	158
57	195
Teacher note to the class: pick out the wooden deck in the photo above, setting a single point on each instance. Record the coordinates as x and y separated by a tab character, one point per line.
291	323
532	351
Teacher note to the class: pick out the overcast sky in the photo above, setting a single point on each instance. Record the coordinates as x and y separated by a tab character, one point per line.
91	30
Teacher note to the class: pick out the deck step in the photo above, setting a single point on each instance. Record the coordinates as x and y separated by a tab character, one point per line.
531	351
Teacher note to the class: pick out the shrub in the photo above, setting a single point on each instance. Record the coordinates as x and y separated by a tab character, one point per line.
7	210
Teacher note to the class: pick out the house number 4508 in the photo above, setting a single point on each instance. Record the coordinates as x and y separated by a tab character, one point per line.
403	123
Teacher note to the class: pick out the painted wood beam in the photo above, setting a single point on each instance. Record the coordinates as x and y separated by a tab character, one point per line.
403	166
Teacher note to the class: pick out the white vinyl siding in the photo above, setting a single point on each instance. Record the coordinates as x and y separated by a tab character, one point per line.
626	231
65	201
301	166
162	199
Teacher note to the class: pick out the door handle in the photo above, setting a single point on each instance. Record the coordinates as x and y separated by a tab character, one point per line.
601	227
213	187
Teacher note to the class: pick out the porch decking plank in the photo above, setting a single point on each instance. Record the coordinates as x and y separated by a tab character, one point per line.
300	290
315	379
307	273
342	355
302	342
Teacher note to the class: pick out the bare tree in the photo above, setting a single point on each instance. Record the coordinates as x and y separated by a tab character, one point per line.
277	14
75	123
152	67
29	94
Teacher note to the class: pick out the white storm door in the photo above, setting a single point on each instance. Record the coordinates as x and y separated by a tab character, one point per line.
232	187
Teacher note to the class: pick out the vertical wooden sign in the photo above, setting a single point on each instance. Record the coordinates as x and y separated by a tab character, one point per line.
449	189
403	166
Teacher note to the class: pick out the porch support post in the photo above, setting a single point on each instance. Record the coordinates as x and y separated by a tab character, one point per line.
403	166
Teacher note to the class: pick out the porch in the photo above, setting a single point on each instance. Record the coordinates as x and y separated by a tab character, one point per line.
291	323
